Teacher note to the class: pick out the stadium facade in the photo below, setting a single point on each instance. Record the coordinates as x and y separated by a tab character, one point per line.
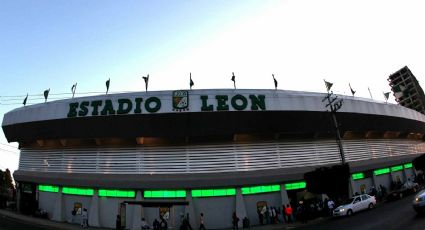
216	151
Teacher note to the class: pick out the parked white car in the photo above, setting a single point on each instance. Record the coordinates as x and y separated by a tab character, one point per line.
355	204
419	202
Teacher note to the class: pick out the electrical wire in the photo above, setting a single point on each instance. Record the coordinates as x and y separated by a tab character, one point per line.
9	145
9	151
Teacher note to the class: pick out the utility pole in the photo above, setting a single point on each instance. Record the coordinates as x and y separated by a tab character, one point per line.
335	104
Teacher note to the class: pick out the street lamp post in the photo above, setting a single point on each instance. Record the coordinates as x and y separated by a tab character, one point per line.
335	104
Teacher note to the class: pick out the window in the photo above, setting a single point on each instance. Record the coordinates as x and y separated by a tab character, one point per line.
357	200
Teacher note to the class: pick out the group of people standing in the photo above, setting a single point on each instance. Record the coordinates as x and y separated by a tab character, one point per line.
270	215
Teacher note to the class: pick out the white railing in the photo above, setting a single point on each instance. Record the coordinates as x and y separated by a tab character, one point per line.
232	157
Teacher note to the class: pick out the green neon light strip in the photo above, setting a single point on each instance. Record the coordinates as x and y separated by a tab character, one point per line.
78	191
396	168
408	165
117	193
260	189
357	176
381	171
296	185
164	194
213	192
48	188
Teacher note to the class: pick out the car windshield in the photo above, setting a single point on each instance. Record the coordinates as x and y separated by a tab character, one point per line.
349	201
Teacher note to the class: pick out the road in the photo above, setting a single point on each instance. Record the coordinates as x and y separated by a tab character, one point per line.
9	224
391	215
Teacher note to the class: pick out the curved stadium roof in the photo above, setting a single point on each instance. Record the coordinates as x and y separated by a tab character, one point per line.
200	113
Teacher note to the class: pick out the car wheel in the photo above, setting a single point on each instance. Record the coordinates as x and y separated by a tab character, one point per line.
370	206
349	212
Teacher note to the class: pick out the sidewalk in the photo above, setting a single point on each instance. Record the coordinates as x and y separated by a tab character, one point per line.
45	223
49	224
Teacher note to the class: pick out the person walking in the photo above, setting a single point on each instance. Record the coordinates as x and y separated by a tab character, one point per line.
118	223
235	221
145	225
163	225
201	221
85	219
288	213
331	205
155	224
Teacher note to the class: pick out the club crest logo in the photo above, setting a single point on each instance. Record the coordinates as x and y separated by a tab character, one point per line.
180	100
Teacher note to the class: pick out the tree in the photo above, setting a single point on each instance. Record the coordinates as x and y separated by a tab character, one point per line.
3	190
8	180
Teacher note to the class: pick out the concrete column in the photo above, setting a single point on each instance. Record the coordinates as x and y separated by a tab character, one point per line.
58	213
351	187
375	181
284	195
94	218
142	210
240	206
137	213
190	209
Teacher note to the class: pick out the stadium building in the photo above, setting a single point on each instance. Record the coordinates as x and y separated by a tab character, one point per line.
218	151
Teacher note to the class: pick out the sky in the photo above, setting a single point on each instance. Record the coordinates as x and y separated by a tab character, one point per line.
56	43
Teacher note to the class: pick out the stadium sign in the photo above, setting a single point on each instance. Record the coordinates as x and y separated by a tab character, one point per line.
180	102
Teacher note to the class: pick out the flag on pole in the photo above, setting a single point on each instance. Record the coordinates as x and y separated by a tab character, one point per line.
46	94
25	100
275	82
73	88
399	91
352	91
107	85
146	79
191	83
234	79
386	95
328	85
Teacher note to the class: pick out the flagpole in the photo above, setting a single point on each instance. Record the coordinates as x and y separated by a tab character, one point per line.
73	88
370	93
190	81
107	85
234	80
146	79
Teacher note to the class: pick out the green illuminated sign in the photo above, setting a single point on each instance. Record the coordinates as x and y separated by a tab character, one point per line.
260	189
396	168
213	192
357	176
78	191
408	165
48	188
164	194
381	171
296	185
117	193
